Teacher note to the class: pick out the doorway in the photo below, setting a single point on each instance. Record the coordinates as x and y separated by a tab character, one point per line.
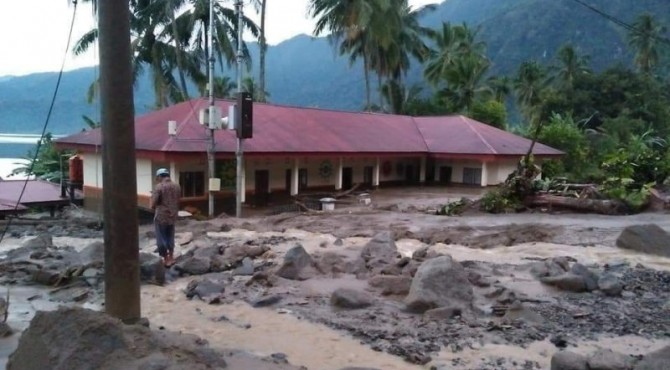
445	175
347	178
262	189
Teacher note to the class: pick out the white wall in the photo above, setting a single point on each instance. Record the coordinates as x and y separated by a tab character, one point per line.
92	169
145	178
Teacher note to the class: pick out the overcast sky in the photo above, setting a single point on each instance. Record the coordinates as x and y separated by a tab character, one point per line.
34	32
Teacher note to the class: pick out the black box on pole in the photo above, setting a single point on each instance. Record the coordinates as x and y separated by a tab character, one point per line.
245	106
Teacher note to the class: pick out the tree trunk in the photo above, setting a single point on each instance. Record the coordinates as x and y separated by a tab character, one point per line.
605	207
179	50
366	72
264	47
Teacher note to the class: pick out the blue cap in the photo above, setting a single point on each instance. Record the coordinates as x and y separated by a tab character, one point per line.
162	172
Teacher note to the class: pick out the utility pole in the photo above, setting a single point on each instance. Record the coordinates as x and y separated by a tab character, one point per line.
239	153
122	271
211	144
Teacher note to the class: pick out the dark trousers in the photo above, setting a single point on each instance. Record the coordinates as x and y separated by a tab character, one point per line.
164	238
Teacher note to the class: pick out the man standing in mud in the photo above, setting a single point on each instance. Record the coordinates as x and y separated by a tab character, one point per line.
165	203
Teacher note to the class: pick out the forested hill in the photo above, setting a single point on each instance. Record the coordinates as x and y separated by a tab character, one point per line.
308	72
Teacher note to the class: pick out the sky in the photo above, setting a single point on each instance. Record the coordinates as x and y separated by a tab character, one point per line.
34	32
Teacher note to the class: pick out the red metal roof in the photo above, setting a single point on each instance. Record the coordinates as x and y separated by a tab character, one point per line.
462	135
10	206
37	192
294	130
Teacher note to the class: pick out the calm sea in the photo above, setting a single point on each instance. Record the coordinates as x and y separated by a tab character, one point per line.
15	150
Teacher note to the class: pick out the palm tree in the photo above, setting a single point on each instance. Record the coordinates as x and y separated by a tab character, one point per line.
501	87
398	97
644	38
249	85
570	67
451	44
261	6
466	83
528	84
224	87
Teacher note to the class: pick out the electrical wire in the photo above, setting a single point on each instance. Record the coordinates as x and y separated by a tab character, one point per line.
46	122
621	23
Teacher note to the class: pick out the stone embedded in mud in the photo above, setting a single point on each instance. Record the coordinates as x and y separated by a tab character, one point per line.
152	268
5	330
207	252
553	267
606	359
657	360
379	253
338	242
43	240
246	269
267	301
350	299
207	290
610	285
297	264
649	238
391	285
568	281
93	253
193	265
590	277
443	313
46	277
331	263
566	360
439	282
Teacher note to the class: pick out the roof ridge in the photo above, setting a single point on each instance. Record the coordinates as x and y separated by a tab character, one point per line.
479	135
421	134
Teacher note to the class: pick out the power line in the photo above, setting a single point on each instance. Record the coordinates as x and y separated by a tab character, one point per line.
622	23
46	122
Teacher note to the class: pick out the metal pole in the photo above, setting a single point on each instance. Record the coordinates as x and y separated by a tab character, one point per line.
122	270
239	153
211	144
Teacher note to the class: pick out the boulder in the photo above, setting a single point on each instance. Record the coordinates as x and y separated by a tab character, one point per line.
193	265
650	239
590	277
391	285
439	282
350	299
37	246
565	360
267	301
207	252
553	267
5	330
657	360
379	253
41	241
46	277
93	253
297	265
152	268
568	281
246	269
610	285
331	263
207	290
606	359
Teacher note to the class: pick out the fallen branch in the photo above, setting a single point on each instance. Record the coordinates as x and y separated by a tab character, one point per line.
346	192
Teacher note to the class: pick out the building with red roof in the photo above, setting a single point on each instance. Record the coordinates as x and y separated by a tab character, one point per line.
294	149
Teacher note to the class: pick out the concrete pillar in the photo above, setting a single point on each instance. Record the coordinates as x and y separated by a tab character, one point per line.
295	177
375	172
485	174
422	171
173	172
338	173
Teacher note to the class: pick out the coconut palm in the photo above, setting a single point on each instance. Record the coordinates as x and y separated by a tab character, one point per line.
398	97
528	84
644	38
466	83
501	87
570	67
261	7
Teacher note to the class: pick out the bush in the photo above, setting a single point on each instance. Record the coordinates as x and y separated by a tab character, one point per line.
491	112
496	201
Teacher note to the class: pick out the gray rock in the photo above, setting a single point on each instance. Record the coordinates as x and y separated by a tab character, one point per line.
207	290
193	266
69	295
267	301
610	285
568	281
45	277
391	285
43	240
420	254
443	313
207	252
606	359
93	276
565	360
648	238
359	368
590	277
338	242
5	330
246	269
350	299
379	253
93	253
439	282
331	263
152	268
297	265
657	360
553	267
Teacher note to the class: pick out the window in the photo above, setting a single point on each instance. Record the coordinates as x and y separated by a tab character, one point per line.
302	179
472	176
192	184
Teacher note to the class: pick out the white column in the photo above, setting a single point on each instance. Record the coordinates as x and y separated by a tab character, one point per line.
422	170
173	172
244	180
338	173
375	172
484	174
295	177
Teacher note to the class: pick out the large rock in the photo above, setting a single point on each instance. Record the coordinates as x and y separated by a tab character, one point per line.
193	265
606	359
297	265
152	268
439	282
207	290
649	239
332	264
379	253
93	253
658	360
590	277
234	255
391	285
569	282
565	360
553	267
43	240
36	247
350	299
79	339
246	268
610	285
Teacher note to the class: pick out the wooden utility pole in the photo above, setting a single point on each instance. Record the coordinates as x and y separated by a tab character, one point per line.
122	270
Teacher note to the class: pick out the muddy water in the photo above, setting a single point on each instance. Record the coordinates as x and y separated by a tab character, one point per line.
311	345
